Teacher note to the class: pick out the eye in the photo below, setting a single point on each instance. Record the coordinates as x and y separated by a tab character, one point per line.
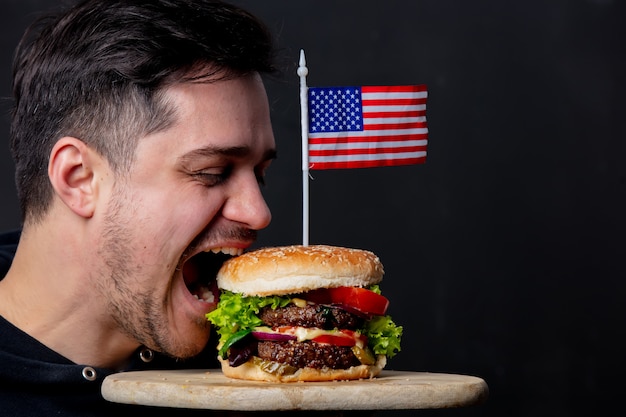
213	177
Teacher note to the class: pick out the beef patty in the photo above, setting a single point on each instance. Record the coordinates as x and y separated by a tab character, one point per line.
308	354
311	315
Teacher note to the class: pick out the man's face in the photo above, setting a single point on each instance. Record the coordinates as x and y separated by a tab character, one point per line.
193	188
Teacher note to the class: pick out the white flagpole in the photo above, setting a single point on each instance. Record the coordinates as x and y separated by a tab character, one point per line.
303	71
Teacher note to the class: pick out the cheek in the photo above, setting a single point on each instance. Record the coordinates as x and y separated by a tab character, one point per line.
172	213
196	211
184	219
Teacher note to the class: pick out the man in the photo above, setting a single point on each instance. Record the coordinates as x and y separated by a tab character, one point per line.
141	135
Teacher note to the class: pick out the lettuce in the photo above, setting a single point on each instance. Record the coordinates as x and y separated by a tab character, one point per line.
383	335
235	312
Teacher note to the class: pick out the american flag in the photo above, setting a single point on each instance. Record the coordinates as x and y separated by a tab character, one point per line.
368	126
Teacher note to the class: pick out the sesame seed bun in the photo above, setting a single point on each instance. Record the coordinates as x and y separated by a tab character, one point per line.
295	269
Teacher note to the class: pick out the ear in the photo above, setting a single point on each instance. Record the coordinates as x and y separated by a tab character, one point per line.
71	172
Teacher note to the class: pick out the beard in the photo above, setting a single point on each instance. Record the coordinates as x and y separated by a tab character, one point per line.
140	313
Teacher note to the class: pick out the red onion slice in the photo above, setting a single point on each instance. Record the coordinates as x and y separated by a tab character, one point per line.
276	337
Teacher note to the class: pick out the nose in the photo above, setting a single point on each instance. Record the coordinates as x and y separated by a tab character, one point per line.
247	205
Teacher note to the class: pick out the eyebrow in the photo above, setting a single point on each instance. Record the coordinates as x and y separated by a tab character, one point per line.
229	151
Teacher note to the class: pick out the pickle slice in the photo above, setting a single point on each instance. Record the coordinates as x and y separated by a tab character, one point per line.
274	368
364	355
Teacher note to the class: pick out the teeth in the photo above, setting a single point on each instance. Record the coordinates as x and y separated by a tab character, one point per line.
228	251
207	297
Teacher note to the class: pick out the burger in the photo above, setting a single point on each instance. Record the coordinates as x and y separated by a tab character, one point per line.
303	313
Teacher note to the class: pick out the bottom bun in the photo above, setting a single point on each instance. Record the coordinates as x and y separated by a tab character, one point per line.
250	371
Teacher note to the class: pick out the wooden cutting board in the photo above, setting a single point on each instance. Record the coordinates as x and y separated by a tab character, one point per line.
210	389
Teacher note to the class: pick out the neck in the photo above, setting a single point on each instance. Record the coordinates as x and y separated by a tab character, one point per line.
55	302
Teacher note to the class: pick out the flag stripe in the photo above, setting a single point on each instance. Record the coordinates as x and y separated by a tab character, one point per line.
393	102
353	127
392	107
355	140
368	151
396	126
368	163
369	157
368	145
393	88
397	114
365	133
363	161
397	97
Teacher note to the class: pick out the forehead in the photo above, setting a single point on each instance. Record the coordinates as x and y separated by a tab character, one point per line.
232	112
242	98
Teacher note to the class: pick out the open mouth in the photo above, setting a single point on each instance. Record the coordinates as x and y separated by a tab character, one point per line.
200	271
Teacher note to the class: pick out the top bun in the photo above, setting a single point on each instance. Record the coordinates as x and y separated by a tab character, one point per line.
296	269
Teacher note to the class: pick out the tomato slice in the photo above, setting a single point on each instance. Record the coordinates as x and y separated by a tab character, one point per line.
335	340
361	299
357	336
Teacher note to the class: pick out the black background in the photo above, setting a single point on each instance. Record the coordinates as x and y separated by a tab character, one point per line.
504	253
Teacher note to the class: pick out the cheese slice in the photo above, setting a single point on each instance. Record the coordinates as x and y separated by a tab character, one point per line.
310	333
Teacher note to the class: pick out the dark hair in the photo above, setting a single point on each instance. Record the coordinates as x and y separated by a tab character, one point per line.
97	71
